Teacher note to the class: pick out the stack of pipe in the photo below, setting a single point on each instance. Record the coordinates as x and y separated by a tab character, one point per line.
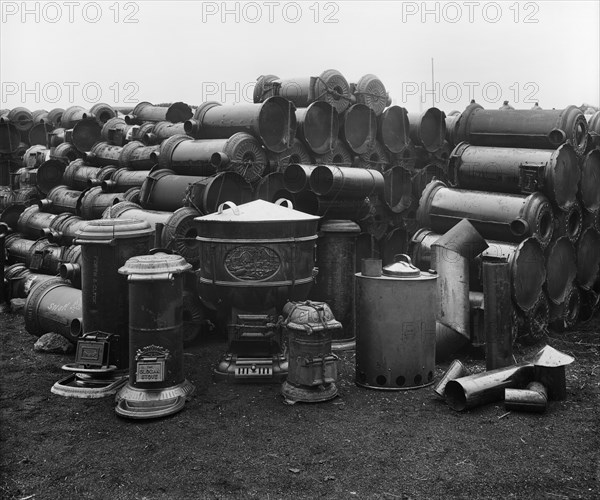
529	185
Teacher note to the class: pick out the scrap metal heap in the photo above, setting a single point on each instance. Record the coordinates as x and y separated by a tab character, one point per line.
455	192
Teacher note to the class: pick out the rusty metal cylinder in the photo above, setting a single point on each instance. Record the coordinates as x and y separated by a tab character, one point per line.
588	258
54	306
102	112
273	122
297	153
358	128
103	154
369	90
164	190
20	280
136	156
72	115
106	245
85	134
296	177
395	328
178	228
539	129
332	208
32	221
162	131
77	174
123	179
20	117
10	138
498	314
157	384
117	132
428	129
397	190
496	216
336	254
375	158
49	175
330	86
241	153
147	112
589	191
527	269
339	155
63	228
561	269
393	129
318	126
18	249
346	182
95	201
555	173
487	387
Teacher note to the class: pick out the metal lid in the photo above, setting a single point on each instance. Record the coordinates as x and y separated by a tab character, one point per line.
309	316
551	358
158	263
402	268
256	211
109	229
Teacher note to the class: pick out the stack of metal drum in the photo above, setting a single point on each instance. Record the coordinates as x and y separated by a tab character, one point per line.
383	181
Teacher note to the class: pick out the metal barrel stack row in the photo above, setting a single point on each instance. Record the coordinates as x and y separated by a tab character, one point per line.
335	149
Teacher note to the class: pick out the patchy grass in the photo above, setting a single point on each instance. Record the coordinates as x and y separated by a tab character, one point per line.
241	441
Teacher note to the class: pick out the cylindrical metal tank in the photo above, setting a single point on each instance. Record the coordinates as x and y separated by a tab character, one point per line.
589	190
588	258
95	201
336	254
106	245
395	328
358	128
273	122
123	179
561	269
147	112
71	116
162	131
568	223
520	128
20	280
63	228
428	129
330	86
376	158
54	306
103	154
164	190
85	134
157	385
527	269
346	182
394	129
318	126
296	177
256	256
298	153
496	216
517	170
137	156
32	221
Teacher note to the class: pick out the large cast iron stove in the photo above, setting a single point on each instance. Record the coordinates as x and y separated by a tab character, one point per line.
253	258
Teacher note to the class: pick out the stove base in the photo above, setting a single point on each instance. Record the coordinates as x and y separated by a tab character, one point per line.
304	394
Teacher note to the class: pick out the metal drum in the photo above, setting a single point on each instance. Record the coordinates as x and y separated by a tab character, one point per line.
54	306
157	385
106	245
395	327
334	284
256	256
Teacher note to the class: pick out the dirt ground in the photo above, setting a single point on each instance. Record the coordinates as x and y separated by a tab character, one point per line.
242	441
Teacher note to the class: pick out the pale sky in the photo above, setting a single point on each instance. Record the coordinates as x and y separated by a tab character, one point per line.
57	54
